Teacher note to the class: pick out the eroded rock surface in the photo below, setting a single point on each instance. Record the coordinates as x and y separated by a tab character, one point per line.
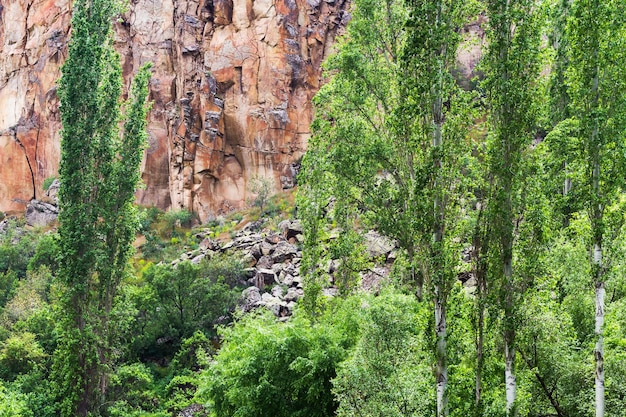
231	91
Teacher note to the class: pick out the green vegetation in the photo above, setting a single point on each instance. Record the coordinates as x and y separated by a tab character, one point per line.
514	186
99	173
47	183
261	188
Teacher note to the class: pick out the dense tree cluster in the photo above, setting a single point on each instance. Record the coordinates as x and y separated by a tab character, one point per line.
504	196
528	163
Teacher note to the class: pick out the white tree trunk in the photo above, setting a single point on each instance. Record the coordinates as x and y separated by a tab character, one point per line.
442	367
509	378
509	340
599	349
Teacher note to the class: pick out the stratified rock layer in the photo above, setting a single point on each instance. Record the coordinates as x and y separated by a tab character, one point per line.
231	91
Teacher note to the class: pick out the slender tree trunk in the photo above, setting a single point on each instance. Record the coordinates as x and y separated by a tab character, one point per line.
550	394
600	295
481	292
509	339
442	367
479	359
567	187
509	376
416	276
599	349
597	230
480	248
441	293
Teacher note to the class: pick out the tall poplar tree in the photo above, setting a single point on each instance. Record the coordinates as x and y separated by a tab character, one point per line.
511	66
389	134
429	57
99	173
597	87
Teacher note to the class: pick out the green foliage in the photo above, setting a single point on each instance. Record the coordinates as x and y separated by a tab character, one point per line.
192	353
46	253
13	404
177	218
387	373
147	217
270	368
29	296
180	391
17	246
177	302
7	282
47	183
99	171
19	354
261	189
135	392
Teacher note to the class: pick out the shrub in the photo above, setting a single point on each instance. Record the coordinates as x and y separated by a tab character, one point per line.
46	253
267	367
132	393
386	373
48	182
20	353
178	301
147	216
262	190
17	246
192	353
13	404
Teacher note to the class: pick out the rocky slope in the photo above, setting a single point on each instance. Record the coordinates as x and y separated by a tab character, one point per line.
231	93
272	259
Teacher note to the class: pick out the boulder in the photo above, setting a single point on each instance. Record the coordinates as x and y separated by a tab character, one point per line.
273	238
293	294
251	295
266	248
197	259
377	245
193	410
277	291
265	262
248	259
284	251
52	193
265	277
290	229
39	213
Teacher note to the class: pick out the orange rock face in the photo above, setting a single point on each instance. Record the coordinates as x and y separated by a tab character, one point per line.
231	91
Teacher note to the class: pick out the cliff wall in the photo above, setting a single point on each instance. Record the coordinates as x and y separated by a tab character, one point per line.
231	91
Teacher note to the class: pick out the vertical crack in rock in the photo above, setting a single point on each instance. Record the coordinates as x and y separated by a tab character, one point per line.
36	160
30	167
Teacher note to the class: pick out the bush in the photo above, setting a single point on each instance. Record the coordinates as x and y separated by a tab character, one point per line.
12	403
28	297
20	353
17	246
387	373
177	301
46	253
147	216
8	282
47	183
131	390
180	218
225	269
267	367
262	189
192	353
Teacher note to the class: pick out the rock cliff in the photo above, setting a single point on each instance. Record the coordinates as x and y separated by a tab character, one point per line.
231	91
